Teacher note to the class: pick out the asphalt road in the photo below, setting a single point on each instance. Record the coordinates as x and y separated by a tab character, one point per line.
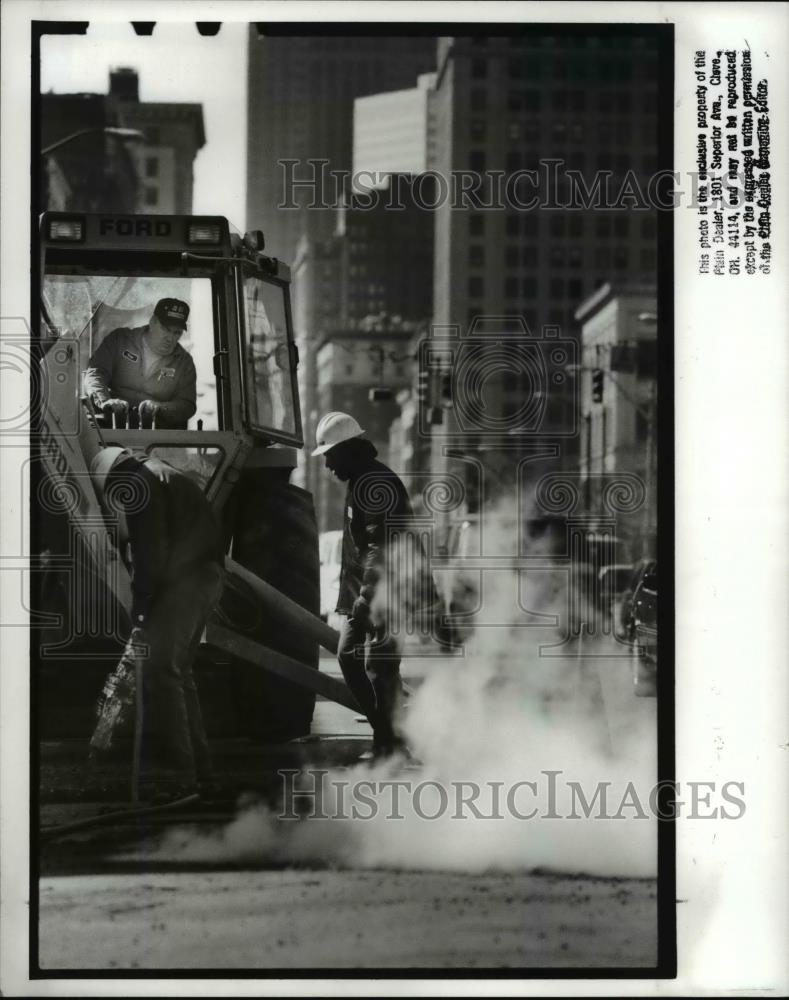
329	916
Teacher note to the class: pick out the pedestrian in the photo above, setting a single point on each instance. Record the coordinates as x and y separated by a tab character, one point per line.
177	563
376	503
143	373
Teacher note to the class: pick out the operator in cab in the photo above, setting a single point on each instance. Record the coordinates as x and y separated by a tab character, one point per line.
143	375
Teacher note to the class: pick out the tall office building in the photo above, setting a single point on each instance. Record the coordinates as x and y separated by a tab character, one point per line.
504	105
301	93
392	132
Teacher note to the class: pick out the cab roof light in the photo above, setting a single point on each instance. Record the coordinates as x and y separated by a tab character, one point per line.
66	230
204	232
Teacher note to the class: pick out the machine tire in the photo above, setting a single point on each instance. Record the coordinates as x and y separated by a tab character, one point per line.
275	536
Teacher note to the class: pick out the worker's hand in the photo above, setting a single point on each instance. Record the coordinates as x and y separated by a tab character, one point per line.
160	469
361	610
148	410
119	406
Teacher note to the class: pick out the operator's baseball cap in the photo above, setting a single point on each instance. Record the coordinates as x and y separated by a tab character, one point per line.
172	312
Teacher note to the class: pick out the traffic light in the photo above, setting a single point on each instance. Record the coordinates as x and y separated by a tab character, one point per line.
598	381
446	390
423	385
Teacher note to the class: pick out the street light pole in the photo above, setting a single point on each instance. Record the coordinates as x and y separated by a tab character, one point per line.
119	133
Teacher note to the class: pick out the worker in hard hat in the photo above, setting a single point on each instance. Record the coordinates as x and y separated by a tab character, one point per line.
177	555
376	500
143	374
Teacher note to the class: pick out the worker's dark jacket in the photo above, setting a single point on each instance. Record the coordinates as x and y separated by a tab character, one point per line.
116	370
171	530
377	531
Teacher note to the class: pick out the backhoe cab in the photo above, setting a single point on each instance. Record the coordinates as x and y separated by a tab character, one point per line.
100	273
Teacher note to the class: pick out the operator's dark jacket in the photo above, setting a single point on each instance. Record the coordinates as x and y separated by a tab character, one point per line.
171	530
377	504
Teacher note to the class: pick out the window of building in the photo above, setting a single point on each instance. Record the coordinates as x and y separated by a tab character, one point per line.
605	161
577	100
559	100
624	101
530	256
575	289
623	163
512	162
649	227
513	131
477	99
624	70
515	68
556	256
649	102
624	129
476	224
512	225
479	69
510	288
558	224
648	259
531	224
530	318
576	257
621	226
476	287
575	225
557	288
576	161
152	166
476	160
476	255
605	101
349	369
531	100
151	196
560	68
603	226
602	257
514	100
531	130
529	288
479	129
559	132
511	256
152	135
533	70
577	133
620	259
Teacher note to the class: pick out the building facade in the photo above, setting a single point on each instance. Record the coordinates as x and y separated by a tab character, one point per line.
619	403
174	134
301	93
351	366
527	128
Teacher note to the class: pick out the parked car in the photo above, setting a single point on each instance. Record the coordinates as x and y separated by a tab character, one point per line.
613	582
639	624
330	549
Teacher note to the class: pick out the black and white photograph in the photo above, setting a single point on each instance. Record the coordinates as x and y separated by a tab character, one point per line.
354	360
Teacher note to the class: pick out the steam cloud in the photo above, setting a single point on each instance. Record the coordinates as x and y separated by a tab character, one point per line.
503	713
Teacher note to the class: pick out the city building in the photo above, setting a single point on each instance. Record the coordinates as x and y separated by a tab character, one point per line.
94	170
577	110
361	373
301	92
392	132
619	402
98	171
375	272
174	135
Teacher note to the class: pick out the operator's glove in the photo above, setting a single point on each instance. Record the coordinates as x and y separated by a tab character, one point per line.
119	406
148	411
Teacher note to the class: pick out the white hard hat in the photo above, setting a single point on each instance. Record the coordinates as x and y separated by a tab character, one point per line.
103	462
333	428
